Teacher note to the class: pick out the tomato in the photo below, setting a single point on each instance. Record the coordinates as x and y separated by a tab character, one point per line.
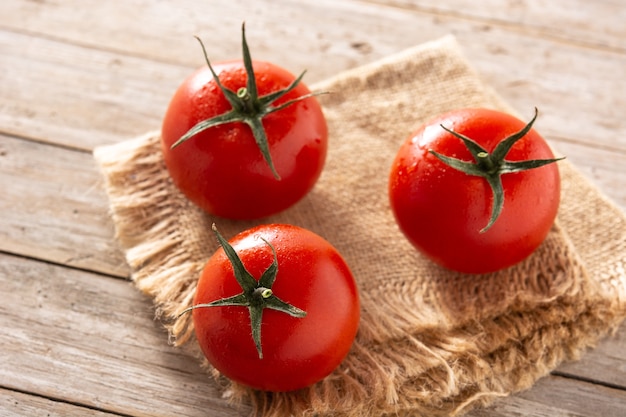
245	156
493	215
307	320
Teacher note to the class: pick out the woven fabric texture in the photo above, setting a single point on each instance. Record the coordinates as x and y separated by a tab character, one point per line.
431	342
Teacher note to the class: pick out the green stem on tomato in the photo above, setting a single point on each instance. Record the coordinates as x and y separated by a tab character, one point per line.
492	166
255	295
246	105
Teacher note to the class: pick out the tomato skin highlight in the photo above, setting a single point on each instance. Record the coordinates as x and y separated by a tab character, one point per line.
297	352
442	210
222	169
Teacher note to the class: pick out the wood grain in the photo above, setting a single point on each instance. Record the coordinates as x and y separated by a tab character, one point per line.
571	24
55	208
86	339
579	104
79	339
78	97
555	396
18	404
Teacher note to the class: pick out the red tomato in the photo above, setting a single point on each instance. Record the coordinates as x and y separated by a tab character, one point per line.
297	351
222	169
446	213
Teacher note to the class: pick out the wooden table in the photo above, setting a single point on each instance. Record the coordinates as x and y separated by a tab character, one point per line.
76	338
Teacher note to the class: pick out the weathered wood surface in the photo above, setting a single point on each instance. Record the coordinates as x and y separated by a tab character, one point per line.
76	338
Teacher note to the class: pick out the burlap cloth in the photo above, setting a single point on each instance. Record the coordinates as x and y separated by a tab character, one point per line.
431	342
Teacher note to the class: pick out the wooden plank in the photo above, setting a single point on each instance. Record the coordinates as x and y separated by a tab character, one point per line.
78	21
54	207
86	339
61	346
605	168
574	397
555	396
17	404
164	30
78	97
568	21
124	95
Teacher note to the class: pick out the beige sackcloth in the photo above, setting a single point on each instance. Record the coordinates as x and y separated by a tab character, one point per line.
431	342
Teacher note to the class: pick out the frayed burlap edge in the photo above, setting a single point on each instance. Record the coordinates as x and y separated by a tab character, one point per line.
149	226
460	367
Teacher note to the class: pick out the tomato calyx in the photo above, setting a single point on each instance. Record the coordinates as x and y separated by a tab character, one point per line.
491	166
256	295
247	106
